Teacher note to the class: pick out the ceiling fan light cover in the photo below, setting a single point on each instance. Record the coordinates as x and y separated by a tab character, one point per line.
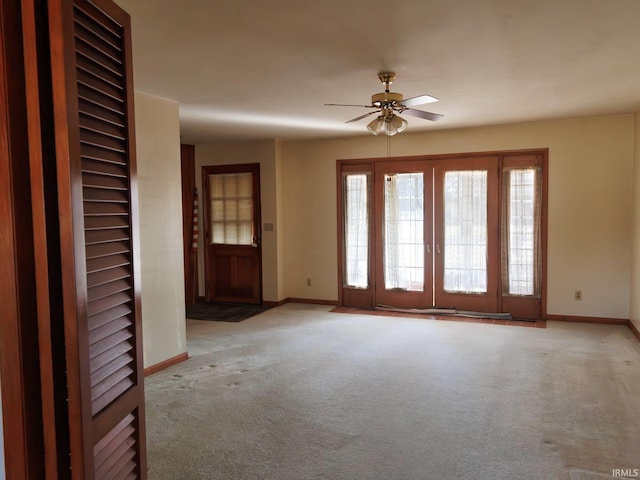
399	123
376	126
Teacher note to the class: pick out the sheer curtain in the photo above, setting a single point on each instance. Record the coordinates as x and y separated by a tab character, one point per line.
521	237
404	231
465	231
356	230
231	208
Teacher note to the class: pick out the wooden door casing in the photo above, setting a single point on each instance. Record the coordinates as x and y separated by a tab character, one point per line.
22	421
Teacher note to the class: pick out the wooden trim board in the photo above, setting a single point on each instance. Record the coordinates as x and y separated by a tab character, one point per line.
169	362
600	320
633	329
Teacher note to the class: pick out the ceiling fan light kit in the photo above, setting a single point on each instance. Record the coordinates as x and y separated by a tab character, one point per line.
388	104
390	125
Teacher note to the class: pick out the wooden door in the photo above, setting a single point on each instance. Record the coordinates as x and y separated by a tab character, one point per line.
232	233
403	212
91	77
466	234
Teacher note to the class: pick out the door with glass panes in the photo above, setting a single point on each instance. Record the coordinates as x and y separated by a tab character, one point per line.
233	270
403	231
466	234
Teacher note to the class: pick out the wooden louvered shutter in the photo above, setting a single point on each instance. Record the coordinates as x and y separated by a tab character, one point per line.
95	150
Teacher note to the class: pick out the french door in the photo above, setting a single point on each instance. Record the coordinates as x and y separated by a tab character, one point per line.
458	233
466	234
403	272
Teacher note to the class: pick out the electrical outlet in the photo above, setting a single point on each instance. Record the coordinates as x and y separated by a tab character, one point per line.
578	295
308	282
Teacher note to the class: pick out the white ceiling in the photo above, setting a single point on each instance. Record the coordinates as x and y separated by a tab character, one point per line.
255	69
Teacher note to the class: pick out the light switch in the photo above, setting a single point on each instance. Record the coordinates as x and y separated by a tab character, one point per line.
268	227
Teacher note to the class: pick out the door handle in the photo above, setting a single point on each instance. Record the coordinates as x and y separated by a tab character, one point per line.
428	248
438	249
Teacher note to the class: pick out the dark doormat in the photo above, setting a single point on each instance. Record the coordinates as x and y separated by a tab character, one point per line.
223	312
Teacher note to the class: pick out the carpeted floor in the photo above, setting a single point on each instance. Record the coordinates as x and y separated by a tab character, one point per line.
300	393
223	312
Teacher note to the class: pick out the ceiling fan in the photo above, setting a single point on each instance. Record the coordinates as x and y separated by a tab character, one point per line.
388	105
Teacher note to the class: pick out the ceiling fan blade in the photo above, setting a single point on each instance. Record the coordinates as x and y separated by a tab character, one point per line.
419	100
422	114
361	117
347	105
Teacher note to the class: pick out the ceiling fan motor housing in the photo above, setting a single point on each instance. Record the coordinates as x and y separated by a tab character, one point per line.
385	98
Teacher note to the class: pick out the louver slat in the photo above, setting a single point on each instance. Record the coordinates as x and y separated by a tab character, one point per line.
105	370
121	386
109	342
90	152
99	166
98	195
91	109
100	278
102	209
103	181
112	383
97	237
90	80
96	123
114	453
107	263
107	303
104	318
102	140
101	360
102	291
104	223
105	249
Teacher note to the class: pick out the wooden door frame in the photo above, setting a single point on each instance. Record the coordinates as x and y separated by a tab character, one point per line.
19	362
490	300
206	217
352	296
404	298
188	177
507	157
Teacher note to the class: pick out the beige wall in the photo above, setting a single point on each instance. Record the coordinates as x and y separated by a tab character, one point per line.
590	204
268	154
160	199
635	265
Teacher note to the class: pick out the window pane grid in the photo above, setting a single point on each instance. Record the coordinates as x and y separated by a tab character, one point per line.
404	231
465	231
356	230
231	208
521	231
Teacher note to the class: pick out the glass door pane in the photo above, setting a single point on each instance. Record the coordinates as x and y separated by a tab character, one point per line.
522	231
404	231
465	231
356	230
231	208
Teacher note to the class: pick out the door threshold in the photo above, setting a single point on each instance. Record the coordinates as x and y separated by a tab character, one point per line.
446	311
